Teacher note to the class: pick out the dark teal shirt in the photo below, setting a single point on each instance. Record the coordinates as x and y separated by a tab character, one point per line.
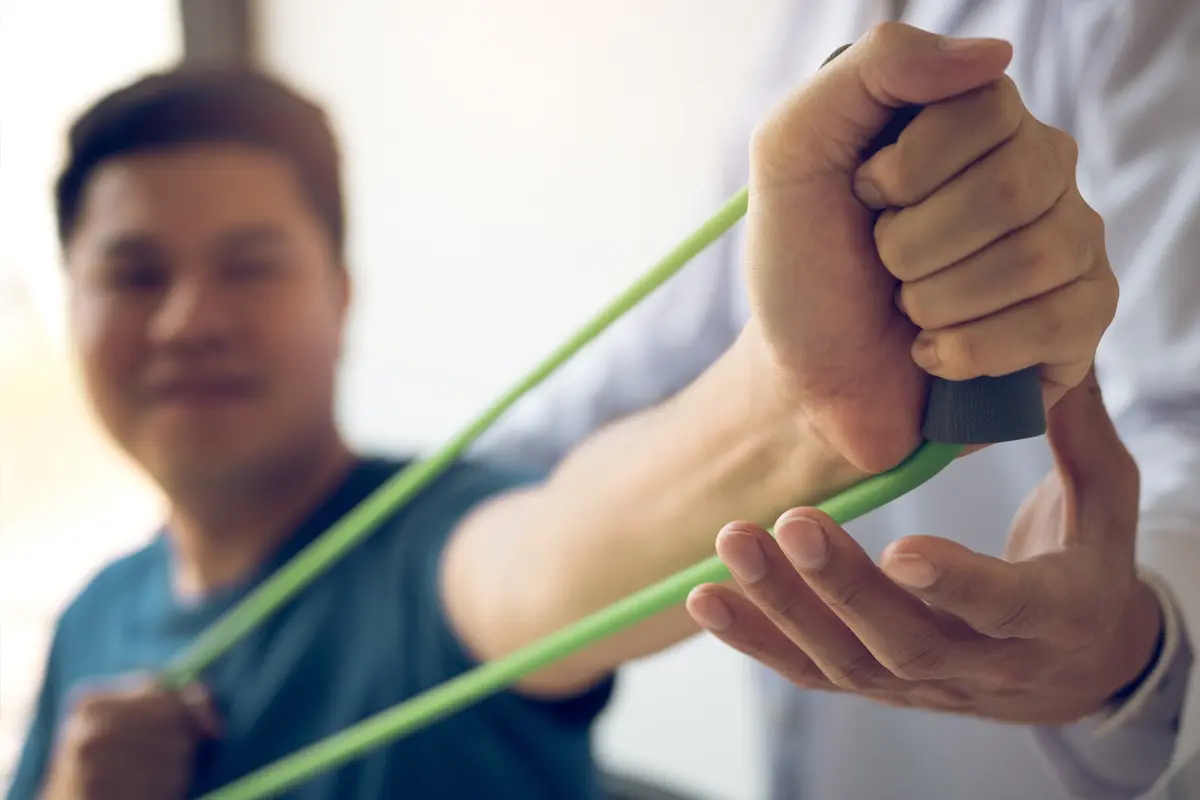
366	635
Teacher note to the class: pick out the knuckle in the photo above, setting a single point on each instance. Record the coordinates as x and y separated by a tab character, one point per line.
956	590
1006	106
1032	261
922	662
1012	620
898	171
1046	255
805	674
1037	248
1012	191
1065	147
846	596
885	34
1025	185
881	42
787	605
889	244
1110	295
1082	244
913	302
1057	324
1059	166
1096	230
860	674
958	354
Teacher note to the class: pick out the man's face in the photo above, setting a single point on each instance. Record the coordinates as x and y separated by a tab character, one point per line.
207	305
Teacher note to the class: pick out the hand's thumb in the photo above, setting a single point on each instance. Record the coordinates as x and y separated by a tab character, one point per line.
839	112
1085	442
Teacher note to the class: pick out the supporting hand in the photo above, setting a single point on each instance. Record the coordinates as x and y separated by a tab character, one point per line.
1046	635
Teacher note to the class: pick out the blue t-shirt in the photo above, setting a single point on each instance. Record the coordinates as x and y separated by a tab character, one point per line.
369	633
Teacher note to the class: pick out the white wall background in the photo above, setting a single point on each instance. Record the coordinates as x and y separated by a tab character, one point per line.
511	166
56	56
67	501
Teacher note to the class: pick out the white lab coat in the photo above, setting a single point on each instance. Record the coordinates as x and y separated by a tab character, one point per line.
1124	78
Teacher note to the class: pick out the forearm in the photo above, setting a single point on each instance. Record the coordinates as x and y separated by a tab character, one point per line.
633	504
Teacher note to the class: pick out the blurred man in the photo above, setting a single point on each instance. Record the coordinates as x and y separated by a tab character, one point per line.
201	219
1120	77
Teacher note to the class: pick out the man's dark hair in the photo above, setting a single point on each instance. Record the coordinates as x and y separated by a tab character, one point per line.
195	106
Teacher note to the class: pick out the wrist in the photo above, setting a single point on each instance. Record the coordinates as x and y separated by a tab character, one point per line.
866	414
1137	645
811	462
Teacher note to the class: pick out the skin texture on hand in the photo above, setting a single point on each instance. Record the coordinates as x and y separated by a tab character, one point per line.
1048	634
984	260
134	742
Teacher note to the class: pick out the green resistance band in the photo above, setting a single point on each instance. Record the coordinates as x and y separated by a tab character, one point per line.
400	489
981	410
445	699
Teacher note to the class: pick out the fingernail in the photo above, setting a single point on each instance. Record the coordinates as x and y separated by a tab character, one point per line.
925	354
911	570
711	613
868	193
742	554
804	542
961	45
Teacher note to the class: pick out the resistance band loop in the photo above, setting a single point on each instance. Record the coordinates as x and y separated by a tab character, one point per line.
487	679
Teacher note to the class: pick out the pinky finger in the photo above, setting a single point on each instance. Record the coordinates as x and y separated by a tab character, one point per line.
1060	327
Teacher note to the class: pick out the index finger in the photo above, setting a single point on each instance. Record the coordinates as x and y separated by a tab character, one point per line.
900	631
191	705
943	140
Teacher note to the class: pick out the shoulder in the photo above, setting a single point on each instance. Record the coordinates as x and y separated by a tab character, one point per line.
118	583
421	526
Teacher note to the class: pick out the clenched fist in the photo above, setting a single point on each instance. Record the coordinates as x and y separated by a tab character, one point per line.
133	743
985	258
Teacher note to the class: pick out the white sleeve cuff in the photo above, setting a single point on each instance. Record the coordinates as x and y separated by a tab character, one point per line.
1124	751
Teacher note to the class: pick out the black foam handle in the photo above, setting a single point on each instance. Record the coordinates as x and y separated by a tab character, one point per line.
980	410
